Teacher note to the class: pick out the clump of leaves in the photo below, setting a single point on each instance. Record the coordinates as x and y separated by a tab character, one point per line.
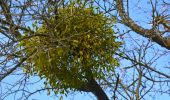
74	47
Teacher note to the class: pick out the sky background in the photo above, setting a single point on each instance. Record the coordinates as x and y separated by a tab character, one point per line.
143	16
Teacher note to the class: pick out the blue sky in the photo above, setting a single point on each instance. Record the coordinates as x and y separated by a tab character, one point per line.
143	16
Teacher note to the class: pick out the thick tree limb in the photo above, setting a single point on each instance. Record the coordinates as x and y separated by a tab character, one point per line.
149	33
93	87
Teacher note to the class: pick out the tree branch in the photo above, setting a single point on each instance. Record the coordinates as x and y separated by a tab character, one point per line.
152	34
93	87
15	67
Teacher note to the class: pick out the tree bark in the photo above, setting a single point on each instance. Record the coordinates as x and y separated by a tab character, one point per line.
93	87
148	33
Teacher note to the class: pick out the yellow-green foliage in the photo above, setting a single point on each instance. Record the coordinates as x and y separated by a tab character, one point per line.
80	44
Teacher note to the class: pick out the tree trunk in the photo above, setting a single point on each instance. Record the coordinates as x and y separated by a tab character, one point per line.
93	87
